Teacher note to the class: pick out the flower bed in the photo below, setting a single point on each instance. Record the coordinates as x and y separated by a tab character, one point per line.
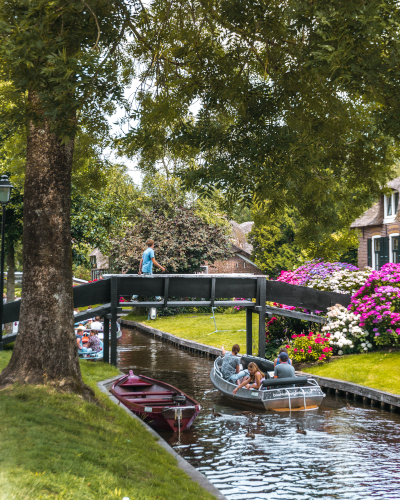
371	320
377	303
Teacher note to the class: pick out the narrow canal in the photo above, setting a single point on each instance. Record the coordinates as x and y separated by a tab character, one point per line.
346	454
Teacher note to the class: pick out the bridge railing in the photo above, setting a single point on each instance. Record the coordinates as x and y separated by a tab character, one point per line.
207	289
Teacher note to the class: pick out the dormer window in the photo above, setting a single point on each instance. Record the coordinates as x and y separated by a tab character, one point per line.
391	204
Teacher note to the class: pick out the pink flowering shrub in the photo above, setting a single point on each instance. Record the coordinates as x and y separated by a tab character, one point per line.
378	304
311	347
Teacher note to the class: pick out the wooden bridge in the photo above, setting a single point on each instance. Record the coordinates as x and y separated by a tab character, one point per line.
208	290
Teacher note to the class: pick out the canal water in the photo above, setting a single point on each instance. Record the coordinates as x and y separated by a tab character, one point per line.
347	453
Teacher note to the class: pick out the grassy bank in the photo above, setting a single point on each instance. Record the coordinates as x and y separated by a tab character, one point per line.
378	370
200	327
56	446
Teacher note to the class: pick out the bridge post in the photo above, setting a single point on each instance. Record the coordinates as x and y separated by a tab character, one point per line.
114	317
249	331
262	298
106	340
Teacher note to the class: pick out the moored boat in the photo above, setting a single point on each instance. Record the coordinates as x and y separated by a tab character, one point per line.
295	393
159	404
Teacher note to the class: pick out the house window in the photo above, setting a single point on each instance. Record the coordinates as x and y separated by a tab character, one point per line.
391	205
394	245
93	263
377	251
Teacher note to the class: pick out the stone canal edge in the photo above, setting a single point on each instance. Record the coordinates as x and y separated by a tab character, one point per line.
374	397
193	473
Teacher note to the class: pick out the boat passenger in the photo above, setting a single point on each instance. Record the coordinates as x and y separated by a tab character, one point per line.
80	330
80	346
94	341
254	380
276	361
230	368
284	370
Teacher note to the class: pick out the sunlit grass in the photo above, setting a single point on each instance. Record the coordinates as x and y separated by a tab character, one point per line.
56	446
378	370
200	327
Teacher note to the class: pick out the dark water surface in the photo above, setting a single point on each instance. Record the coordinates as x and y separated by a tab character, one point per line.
346	454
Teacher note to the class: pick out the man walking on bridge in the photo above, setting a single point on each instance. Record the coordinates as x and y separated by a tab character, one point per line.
148	259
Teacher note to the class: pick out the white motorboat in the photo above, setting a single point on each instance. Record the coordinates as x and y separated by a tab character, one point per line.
285	394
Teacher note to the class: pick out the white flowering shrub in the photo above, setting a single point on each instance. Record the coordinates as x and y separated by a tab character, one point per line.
346	335
343	281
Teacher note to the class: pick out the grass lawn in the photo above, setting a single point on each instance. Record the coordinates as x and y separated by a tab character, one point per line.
56	446
379	370
199	327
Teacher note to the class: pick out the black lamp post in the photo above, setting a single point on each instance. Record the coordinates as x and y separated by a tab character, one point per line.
5	193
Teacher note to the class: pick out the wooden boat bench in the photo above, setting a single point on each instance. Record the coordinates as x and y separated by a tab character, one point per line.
145	393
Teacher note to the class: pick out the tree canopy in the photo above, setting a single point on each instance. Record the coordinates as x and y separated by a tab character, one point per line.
296	102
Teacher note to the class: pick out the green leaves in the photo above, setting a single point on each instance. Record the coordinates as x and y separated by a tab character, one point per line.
297	103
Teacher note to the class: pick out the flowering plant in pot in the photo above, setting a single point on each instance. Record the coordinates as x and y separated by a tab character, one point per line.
308	348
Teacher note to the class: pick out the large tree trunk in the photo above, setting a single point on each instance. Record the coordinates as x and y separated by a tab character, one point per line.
10	278
46	349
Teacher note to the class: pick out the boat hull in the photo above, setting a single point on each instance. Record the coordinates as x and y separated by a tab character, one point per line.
158	405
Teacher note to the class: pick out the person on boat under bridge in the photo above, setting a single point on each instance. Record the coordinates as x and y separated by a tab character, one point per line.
277	360
255	379
230	368
284	370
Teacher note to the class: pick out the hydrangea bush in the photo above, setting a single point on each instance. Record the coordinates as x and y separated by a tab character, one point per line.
313	270
344	281
377	303
346	335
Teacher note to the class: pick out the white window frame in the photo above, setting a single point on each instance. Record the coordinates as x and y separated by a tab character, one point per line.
389	218
373	251
392	235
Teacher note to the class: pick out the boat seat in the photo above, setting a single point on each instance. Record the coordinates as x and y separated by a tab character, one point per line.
139	383
285	381
150	401
143	393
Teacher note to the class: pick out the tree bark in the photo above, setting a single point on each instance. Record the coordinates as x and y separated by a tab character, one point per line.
10	278
45	350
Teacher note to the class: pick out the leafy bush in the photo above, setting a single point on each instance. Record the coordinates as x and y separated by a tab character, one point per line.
311	347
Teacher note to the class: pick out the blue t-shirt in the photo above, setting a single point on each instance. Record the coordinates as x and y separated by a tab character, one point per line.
147	264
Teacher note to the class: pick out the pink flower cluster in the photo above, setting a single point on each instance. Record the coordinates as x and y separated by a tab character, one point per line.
378	302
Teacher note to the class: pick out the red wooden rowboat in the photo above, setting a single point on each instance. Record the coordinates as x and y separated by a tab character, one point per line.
162	406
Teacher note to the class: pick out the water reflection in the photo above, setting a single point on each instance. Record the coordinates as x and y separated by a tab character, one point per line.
346	454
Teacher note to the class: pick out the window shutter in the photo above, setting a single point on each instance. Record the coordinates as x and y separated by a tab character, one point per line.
384	254
369	251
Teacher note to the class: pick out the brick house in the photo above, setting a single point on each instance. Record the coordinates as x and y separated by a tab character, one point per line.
99	264
240	262
379	230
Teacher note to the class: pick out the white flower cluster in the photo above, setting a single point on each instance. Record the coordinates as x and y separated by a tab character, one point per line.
343	327
342	281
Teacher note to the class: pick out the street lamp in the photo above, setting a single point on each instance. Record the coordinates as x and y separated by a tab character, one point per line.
5	193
